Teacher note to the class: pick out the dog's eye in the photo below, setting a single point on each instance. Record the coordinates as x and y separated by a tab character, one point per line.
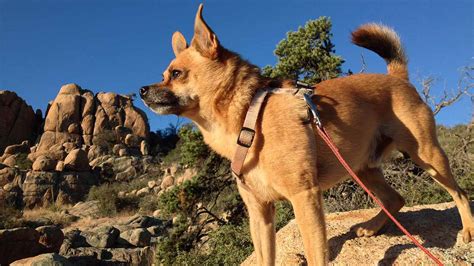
175	74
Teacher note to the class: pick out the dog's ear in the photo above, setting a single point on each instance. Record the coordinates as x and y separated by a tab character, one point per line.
179	43
204	40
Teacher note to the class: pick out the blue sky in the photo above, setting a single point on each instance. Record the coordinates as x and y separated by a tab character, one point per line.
121	45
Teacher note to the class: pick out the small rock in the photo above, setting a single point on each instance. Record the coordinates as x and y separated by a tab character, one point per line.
156	189
155	230
144	148
123	152
143	192
60	166
152	184
168	181
157	213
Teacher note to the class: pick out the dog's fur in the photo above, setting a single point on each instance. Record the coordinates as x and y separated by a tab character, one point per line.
367	115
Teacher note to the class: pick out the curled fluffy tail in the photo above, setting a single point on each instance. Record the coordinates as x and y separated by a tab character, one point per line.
385	42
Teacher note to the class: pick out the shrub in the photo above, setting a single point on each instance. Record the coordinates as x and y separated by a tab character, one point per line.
109	202
9	216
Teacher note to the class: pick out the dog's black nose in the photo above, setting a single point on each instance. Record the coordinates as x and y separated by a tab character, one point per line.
144	91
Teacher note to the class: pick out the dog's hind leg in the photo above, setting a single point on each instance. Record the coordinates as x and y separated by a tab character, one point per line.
262	227
308	209
419	140
373	178
432	159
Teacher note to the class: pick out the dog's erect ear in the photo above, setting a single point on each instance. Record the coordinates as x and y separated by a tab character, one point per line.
204	40
179	43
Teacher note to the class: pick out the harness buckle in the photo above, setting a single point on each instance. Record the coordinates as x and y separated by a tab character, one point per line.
246	137
314	110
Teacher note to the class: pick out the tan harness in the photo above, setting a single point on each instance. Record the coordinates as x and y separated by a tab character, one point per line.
247	133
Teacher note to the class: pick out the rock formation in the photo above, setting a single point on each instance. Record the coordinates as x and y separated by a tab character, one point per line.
78	119
18	121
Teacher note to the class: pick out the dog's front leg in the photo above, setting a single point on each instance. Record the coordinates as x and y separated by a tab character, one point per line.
308	208
262	226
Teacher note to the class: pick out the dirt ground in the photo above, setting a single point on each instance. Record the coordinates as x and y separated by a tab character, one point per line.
436	226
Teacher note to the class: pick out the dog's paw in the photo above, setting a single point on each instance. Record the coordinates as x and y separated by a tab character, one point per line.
468	234
364	232
369	228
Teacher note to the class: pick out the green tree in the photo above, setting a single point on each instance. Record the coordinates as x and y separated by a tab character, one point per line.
307	54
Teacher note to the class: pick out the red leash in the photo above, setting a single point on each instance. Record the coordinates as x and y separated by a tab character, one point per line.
334	149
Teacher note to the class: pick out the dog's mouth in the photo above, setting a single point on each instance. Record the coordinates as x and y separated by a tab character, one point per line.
163	107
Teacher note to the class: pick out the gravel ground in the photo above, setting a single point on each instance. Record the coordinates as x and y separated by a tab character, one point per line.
436	226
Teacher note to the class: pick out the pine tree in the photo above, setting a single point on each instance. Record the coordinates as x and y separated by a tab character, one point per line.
307	54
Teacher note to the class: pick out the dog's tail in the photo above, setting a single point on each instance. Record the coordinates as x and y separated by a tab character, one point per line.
385	42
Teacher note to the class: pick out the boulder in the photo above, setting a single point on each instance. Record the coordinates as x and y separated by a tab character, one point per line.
77	160
10	161
39	188
18	243
102	237
24	147
138	237
74	186
86	209
47	259
44	163
123	152
127	174
188	174
142	192
110	256
51	237
19	121
7	175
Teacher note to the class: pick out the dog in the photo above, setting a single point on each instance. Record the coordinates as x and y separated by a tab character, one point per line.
367	115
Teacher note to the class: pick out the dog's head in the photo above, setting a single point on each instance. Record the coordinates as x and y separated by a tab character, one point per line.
195	72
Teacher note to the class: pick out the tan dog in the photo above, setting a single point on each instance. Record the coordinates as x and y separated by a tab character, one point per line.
367	115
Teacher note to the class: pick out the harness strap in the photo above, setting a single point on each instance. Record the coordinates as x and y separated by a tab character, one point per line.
247	133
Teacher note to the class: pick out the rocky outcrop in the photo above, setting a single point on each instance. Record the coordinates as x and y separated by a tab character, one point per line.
77	119
126	243
40	189
26	242
18	120
85	136
437	226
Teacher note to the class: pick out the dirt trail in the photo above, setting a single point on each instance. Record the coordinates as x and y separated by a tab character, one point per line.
436	226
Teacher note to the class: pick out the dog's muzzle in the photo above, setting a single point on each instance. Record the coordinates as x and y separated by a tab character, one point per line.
144	91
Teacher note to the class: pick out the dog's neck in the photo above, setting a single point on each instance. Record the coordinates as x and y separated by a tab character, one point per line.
222	113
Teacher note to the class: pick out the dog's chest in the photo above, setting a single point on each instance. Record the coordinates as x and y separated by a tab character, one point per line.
220	141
